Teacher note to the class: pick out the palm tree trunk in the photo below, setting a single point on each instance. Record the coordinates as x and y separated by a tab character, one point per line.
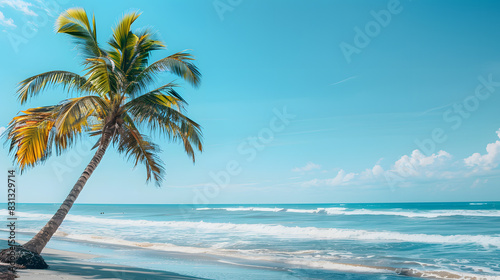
38	242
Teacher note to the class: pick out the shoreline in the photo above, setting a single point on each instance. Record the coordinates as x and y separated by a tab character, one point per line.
77	259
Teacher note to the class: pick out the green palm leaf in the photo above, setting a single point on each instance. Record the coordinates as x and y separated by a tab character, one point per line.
178	64
158	113
34	85
138	147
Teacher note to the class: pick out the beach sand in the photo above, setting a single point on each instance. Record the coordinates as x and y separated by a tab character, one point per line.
74	266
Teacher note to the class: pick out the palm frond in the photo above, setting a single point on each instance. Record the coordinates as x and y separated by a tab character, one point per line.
145	45
35	132
123	41
75	23
34	85
103	75
73	118
167	89
140	149
179	64
29	135
158	113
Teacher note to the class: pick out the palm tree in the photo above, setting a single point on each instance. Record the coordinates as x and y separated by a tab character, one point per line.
114	103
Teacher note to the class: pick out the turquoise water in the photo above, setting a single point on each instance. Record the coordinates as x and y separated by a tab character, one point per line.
293	241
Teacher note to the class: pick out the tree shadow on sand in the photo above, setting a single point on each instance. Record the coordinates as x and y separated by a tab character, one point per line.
86	270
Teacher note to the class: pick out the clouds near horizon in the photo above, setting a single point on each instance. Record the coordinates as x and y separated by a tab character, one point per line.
417	167
487	161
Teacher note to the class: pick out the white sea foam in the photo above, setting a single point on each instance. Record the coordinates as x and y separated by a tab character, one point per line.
26	215
280	231
422	214
312	211
480	269
264	209
338	266
345	211
259	209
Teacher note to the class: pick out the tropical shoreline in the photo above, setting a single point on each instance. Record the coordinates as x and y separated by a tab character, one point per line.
65	257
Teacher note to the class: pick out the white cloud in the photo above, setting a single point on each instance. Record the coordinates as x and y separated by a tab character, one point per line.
373	173
418	167
308	167
19	5
487	161
377	170
2	129
6	21
417	164
408	168
341	178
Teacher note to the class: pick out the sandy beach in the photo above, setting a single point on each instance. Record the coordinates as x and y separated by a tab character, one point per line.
74	266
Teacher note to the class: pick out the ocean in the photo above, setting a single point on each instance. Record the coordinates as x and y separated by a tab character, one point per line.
292	241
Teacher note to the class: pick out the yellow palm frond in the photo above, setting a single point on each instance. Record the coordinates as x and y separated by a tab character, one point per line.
36	131
75	22
29	135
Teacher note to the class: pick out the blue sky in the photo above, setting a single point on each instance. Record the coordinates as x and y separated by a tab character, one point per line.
301	102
